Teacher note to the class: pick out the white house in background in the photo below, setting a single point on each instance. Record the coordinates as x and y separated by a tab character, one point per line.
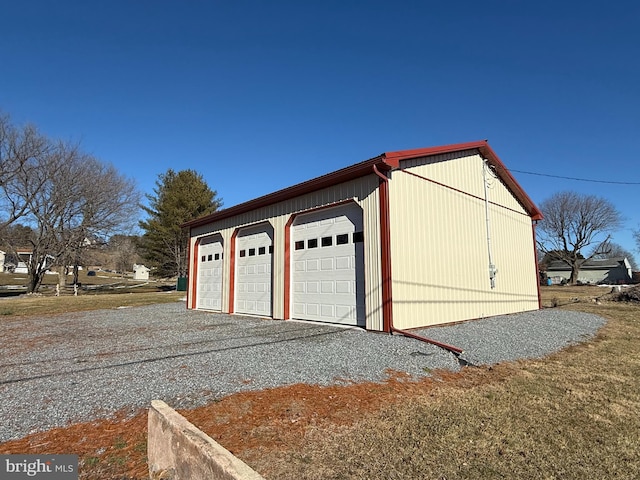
612	271
140	272
2	257
404	240
24	259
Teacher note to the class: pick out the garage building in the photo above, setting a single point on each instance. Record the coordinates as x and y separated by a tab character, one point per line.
404	240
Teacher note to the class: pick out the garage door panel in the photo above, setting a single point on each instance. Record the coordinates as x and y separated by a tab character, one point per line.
344	311
345	263
326	287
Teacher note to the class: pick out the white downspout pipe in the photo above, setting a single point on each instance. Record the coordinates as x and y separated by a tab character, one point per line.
492	267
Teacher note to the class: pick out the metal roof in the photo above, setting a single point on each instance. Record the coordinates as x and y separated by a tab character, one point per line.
386	161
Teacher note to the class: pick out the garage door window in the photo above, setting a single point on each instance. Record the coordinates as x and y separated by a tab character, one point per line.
312	243
300	245
327	241
342	239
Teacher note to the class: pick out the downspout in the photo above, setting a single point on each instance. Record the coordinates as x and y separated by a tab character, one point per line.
385	244
534	224
492	267
189	270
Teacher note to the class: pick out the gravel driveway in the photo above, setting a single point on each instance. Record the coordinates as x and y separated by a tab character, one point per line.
81	366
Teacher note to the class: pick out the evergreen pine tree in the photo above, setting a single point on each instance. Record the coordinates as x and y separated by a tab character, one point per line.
178	197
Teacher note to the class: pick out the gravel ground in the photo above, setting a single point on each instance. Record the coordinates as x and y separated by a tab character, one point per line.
82	366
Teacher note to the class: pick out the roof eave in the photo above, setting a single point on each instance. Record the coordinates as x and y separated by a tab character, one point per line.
339	176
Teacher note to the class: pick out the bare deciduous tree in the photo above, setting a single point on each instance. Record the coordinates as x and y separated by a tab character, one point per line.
125	252
616	250
66	197
573	222
22	152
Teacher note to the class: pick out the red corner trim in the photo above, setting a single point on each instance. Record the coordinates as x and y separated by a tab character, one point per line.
385	253
535	252
193	278
232	271
287	267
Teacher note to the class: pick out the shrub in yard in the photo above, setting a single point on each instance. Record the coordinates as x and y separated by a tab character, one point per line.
629	295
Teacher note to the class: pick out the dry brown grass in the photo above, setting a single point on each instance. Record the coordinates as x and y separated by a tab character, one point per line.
49	280
559	295
34	305
573	415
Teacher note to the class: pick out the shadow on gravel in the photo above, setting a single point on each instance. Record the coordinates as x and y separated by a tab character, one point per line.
170	357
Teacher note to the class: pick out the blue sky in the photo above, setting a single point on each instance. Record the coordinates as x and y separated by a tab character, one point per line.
260	95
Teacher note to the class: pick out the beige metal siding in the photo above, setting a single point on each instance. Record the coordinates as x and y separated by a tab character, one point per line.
462	170
439	248
363	191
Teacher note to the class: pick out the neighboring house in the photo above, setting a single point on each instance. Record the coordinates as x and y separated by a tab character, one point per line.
140	272
2	257
611	271
406	239
24	259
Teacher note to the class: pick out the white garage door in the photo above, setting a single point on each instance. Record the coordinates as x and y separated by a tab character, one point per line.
254	266
328	266
209	296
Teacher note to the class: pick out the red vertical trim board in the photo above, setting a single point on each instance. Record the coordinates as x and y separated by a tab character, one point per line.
232	271
193	278
385	256
535	253
287	267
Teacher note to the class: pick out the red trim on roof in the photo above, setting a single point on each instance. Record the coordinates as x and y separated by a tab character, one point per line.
383	162
394	158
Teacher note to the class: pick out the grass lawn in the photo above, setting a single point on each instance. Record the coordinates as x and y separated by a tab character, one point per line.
572	415
130	293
